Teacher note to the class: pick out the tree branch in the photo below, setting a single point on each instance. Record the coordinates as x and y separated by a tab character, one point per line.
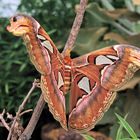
26	111
26	135
4	123
21	107
75	28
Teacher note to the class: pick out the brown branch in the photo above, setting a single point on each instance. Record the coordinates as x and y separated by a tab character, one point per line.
26	135
26	111
3	122
10	116
75	28
21	107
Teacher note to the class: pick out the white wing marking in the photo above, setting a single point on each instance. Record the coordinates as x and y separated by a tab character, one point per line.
113	57
41	37
101	59
48	45
84	84
60	80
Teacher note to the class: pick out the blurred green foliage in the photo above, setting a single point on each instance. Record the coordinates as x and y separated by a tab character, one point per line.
87	137
124	125
17	73
55	16
106	22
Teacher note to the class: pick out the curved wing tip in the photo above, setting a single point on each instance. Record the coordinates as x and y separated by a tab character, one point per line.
82	130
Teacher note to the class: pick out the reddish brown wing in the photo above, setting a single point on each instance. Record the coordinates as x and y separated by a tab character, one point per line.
54	97
52	84
94	82
46	59
89	101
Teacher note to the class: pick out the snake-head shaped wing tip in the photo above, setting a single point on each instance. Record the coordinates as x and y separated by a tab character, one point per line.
21	24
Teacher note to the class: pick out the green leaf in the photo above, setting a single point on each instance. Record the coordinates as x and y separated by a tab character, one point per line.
88	40
127	139
22	67
126	126
6	88
107	5
120	132
87	137
132	105
130	5
98	13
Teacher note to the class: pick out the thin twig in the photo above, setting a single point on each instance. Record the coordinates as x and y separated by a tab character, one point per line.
21	107
26	135
26	111
75	28
10	116
3	120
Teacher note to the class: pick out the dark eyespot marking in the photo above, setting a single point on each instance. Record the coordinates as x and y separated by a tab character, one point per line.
15	18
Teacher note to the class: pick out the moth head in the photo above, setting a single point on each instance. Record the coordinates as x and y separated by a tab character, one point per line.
22	24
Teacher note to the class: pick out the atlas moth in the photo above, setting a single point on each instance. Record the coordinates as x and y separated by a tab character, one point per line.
92	79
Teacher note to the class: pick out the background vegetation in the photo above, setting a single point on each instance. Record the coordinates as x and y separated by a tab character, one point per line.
106	22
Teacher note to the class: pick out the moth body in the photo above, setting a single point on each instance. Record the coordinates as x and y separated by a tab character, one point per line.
92	79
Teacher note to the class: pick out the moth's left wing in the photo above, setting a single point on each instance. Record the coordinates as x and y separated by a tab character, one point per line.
95	79
52	89
52	78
